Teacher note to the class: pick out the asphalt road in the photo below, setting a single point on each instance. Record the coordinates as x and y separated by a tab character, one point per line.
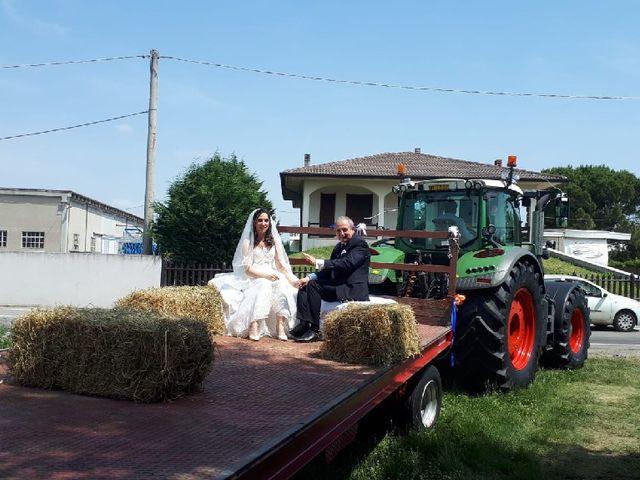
8	314
604	340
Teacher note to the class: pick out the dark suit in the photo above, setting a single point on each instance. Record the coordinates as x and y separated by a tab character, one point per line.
343	278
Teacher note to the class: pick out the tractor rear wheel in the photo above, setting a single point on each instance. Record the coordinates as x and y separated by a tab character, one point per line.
571	333
500	332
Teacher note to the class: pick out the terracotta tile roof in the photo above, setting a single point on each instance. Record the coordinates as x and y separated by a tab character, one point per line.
419	166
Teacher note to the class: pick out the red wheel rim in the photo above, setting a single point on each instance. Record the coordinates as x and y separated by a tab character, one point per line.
577	331
521	328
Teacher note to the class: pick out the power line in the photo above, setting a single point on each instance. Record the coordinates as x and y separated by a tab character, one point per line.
333	80
74	126
403	87
71	62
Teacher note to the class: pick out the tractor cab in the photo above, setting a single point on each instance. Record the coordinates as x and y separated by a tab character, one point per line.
485	213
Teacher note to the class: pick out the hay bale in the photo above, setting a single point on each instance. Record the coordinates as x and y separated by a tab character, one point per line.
132	355
371	334
198	303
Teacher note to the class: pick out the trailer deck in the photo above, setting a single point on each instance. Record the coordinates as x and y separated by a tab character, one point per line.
265	409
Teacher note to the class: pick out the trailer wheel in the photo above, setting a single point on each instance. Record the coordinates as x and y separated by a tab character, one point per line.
423	405
500	332
571	333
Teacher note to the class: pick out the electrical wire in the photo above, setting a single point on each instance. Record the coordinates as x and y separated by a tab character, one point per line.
333	80
73	126
71	62
404	87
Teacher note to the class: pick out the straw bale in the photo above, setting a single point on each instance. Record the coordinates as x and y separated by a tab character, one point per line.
124	354
198	303
371	334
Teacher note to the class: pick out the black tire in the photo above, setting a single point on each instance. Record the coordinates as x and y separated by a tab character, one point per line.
423	404
624	321
481	340
571	333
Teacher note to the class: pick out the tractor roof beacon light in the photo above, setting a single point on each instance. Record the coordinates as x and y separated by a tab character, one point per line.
402	173
512	161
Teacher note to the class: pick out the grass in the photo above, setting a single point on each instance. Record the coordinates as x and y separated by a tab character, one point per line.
5	339
318	252
582	424
556	266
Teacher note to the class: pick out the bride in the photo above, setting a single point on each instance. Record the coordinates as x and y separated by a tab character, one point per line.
260	294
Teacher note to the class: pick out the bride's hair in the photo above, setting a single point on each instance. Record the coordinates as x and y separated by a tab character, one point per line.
268	238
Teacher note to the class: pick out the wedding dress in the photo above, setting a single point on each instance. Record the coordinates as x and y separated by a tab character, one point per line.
247	298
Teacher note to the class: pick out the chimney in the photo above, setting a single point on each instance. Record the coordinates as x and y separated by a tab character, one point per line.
498	162
307	159
417	150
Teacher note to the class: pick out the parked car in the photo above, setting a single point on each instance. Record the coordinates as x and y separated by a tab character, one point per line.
606	308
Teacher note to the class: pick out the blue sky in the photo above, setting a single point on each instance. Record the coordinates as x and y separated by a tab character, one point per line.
570	47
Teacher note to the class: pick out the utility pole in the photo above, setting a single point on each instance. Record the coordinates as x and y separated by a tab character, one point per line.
147	242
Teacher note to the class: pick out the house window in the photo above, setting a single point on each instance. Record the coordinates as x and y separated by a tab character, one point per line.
76	241
32	239
3	238
360	208
93	244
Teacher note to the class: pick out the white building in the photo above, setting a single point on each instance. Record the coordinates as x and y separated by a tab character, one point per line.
589	245
60	221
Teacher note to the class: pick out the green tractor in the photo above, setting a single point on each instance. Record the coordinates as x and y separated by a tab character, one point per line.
510	320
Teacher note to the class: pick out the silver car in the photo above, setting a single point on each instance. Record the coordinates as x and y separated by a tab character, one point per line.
606	308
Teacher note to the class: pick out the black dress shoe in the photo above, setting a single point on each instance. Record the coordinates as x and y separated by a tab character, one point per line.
300	329
309	336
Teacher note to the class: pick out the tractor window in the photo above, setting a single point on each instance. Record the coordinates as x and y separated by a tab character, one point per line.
503	214
437	211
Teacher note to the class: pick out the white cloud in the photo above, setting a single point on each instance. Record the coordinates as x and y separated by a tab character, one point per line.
35	25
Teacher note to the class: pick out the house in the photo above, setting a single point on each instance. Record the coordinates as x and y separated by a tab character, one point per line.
60	221
361	187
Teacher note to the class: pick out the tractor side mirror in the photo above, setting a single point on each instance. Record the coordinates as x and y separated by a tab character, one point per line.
562	211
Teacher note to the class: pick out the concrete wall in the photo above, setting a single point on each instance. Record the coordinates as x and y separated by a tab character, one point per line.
81	280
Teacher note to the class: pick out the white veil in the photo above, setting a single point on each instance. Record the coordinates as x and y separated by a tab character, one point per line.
234	287
242	255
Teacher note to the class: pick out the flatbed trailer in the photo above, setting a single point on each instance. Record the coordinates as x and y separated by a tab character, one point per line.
265	410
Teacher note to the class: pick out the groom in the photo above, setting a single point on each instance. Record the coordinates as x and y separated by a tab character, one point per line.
342	278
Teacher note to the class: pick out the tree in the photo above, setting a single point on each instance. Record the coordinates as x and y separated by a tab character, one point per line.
600	197
206	211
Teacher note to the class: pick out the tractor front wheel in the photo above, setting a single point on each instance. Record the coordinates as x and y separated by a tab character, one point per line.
499	333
